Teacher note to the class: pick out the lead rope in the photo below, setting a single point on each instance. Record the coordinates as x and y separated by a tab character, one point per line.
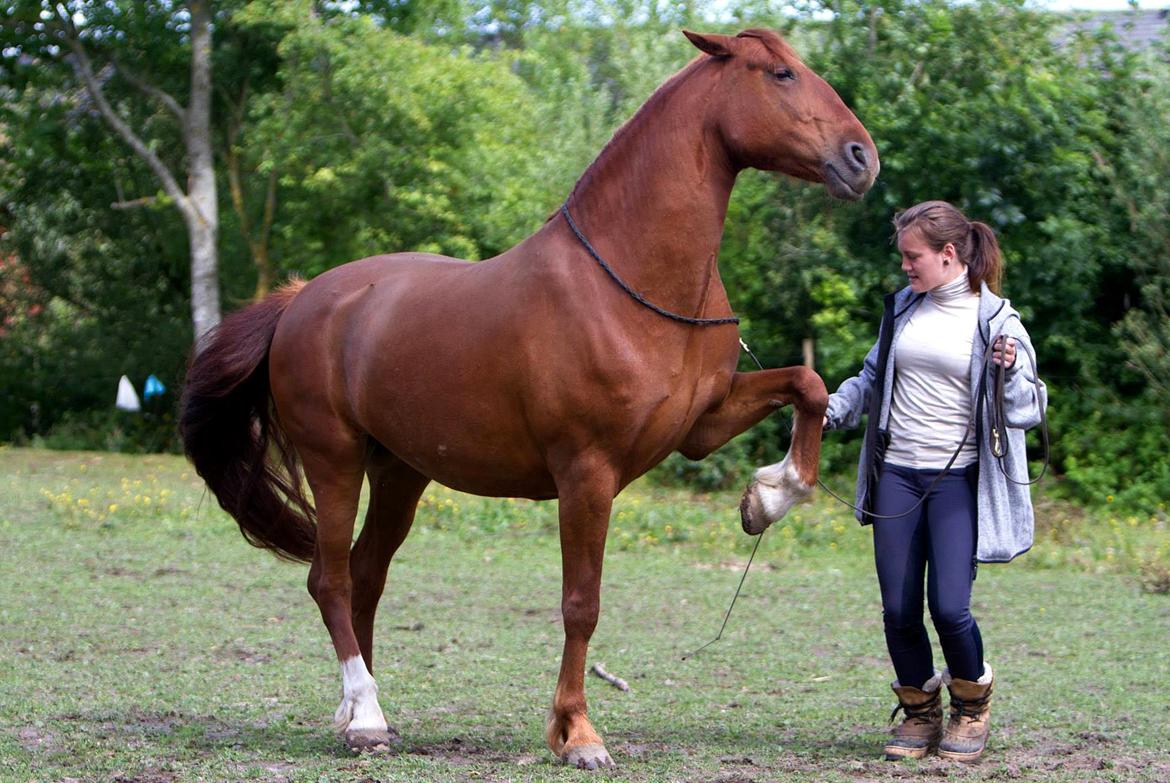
759	538
997	423
998	450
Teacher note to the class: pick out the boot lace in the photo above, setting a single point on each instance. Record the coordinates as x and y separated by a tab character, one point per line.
919	714
971	709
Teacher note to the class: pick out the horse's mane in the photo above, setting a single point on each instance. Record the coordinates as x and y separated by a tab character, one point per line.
646	111
775	50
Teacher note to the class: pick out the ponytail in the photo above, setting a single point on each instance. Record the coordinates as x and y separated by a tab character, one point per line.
984	261
939	223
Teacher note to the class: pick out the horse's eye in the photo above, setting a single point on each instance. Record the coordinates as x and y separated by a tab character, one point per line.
784	74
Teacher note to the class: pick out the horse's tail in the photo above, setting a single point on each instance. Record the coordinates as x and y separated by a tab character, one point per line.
231	434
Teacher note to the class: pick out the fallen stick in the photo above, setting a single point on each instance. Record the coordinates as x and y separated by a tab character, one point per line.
616	682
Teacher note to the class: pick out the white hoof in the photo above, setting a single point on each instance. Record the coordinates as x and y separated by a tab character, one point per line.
772	492
359	714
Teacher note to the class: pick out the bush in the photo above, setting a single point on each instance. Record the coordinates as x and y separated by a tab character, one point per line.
151	430
725	469
1112	453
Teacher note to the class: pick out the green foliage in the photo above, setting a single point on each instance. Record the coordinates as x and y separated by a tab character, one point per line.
728	467
140	432
1138	173
455	128
1114	450
384	143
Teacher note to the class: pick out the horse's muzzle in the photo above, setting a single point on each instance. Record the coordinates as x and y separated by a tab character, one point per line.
852	172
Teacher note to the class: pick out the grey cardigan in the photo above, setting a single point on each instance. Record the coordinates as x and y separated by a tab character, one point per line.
1006	521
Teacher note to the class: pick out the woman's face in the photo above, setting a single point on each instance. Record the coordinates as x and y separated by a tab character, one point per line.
925	268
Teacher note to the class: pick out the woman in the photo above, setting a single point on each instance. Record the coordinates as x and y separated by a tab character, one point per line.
921	386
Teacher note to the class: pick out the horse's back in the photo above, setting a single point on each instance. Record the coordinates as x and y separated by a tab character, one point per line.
413	349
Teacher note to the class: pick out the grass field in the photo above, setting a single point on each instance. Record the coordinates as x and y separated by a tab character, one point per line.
142	640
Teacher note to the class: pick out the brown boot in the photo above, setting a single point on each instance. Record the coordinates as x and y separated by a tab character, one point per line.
966	732
920	730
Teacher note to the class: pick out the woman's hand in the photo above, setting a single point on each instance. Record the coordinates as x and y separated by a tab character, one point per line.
1004	356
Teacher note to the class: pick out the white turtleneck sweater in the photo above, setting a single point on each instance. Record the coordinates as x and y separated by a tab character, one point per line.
932	384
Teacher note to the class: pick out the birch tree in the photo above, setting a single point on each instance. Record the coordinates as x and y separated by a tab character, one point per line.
96	43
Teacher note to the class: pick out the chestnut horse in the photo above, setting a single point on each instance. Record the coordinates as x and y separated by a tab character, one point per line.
531	374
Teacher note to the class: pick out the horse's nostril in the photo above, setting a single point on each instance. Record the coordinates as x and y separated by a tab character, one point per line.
856	156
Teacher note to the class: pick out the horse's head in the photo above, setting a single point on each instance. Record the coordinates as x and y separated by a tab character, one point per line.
775	114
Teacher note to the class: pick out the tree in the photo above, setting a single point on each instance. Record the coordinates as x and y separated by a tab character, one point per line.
97	41
384	143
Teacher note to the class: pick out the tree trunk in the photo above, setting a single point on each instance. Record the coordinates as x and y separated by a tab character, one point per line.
205	311
198	205
203	213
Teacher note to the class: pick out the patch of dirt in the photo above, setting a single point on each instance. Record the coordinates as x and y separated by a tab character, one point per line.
239	652
133	723
1093	757
458	751
150	775
1092	752
37	740
134	728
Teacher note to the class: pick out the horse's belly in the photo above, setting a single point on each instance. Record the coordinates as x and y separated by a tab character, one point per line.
463	459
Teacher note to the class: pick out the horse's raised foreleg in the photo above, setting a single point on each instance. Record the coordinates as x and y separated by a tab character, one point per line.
586	497
335	476
395	488
775	488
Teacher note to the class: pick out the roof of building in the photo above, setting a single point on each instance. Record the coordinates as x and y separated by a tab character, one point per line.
1136	29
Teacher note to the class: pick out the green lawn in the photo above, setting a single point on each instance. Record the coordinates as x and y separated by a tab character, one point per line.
141	639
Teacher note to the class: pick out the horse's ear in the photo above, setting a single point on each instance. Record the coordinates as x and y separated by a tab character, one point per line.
713	44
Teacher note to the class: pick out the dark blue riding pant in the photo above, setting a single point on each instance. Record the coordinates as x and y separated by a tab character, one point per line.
935	542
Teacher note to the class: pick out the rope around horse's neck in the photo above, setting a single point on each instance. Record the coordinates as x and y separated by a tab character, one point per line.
686	319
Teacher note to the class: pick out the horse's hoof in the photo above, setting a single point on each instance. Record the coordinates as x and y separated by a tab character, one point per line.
587	757
372	740
752	515
773	491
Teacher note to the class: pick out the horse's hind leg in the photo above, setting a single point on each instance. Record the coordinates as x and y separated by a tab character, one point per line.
334	470
395	488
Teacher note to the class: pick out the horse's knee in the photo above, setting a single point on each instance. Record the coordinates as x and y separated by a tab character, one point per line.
811	393
580	612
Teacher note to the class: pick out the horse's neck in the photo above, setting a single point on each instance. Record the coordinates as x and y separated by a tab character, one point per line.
654	202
